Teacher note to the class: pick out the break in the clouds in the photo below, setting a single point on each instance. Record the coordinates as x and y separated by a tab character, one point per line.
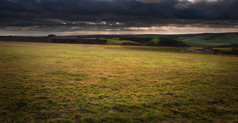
117	16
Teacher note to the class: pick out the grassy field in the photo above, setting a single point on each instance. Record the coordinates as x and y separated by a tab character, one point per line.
211	39
42	82
215	41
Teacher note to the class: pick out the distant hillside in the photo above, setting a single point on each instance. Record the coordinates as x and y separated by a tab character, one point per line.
185	40
211	39
199	40
145	41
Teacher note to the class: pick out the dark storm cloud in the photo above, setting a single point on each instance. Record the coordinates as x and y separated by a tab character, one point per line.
102	14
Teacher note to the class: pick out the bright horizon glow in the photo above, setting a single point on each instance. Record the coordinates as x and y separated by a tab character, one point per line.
171	29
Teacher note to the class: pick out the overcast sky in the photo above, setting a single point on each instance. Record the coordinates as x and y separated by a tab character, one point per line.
66	17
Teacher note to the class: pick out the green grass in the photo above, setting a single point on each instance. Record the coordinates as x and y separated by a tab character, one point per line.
116	41
94	83
202	44
210	39
222	41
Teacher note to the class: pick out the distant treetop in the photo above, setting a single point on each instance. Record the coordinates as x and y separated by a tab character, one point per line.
51	35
